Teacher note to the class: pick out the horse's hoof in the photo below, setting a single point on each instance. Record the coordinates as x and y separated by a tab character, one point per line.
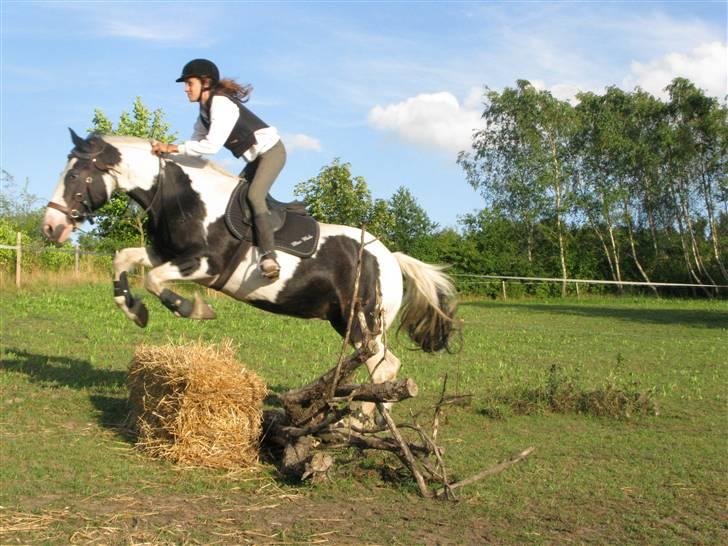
141	315
201	310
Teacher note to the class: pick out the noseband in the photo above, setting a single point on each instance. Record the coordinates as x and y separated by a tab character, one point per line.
80	208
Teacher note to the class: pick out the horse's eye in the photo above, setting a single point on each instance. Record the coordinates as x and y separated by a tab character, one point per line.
72	175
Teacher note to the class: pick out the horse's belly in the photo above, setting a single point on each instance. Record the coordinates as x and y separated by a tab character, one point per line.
248	284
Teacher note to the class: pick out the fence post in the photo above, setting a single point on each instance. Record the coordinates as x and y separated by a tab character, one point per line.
18	257
503	288
75	262
576	284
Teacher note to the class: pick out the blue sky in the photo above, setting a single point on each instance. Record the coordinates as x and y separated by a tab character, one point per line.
394	88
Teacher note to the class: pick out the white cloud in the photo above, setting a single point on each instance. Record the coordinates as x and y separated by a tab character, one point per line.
706	66
190	24
562	91
300	141
434	120
142	31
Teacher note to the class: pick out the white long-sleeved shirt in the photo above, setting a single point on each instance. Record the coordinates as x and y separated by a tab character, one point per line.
224	115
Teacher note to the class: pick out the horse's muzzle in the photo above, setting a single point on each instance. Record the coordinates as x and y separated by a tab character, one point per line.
55	227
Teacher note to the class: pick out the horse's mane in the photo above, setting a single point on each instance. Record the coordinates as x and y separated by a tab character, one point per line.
187	161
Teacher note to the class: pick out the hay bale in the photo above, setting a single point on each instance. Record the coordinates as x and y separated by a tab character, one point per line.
195	404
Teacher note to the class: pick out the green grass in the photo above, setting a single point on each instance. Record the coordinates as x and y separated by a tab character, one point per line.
69	474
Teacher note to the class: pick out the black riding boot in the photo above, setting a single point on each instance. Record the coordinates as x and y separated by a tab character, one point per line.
267	262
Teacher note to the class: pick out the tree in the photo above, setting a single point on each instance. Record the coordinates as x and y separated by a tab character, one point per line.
522	160
121	222
615	168
334	196
699	142
19	206
21	212
411	226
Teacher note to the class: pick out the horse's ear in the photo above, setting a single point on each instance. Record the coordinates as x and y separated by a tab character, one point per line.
78	142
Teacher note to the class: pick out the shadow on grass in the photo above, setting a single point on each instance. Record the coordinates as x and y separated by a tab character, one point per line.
55	371
60	370
113	413
687	317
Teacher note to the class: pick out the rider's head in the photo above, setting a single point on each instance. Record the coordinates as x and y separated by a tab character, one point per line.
199	76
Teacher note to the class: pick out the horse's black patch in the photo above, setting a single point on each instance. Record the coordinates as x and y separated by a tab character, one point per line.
84	187
176	215
322	286
223	246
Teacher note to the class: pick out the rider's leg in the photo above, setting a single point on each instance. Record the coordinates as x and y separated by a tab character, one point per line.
269	167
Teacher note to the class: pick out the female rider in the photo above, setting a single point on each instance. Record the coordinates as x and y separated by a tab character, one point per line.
224	121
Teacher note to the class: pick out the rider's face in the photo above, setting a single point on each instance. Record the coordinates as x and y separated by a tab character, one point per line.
193	89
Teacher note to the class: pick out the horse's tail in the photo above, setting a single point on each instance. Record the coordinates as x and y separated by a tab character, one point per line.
429	304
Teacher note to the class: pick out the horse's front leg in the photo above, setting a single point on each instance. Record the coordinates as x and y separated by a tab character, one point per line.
191	270
124	260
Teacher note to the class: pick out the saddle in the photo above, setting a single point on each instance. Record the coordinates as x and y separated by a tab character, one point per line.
294	230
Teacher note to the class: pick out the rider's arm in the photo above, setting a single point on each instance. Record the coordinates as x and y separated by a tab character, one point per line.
223	116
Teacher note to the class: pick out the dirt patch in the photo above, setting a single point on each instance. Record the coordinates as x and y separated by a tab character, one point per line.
269	514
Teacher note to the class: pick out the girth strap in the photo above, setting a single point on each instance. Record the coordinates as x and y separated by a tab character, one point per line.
232	265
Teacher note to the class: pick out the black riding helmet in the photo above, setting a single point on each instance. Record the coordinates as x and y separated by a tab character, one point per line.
200	68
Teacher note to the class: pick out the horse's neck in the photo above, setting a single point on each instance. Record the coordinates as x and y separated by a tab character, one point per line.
138	177
153	182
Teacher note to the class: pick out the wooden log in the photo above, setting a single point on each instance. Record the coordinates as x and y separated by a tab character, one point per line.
305	403
405	453
295	456
484	473
389	391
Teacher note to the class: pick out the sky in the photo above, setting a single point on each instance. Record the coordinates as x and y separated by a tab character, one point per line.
392	88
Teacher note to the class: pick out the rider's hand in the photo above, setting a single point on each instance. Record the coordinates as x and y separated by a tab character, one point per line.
159	148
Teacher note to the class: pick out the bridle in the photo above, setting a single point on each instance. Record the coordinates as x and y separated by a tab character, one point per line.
80	208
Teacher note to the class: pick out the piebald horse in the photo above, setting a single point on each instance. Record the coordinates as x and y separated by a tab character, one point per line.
186	199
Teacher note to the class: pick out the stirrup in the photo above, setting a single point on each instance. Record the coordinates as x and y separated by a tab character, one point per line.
269	267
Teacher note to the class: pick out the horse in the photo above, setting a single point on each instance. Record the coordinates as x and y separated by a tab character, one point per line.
186	200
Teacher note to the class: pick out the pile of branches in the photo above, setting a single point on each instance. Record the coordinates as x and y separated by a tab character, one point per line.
317	419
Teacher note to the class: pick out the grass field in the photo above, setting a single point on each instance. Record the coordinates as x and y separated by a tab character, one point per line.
68	473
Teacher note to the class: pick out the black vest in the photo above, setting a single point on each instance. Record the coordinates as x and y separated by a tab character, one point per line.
242	136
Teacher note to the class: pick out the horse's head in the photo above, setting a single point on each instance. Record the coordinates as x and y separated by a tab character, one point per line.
85	185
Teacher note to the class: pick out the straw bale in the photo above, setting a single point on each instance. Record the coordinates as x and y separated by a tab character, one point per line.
195	404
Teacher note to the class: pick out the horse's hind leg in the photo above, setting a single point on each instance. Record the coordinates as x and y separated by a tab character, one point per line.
194	270
382	367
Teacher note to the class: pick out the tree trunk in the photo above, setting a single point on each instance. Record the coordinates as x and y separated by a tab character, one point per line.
562	253
697	257
694	249
559	227
653	226
630	234
529	243
681	230
605	248
708	198
613	243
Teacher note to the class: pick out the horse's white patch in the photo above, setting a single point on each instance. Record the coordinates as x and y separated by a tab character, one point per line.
247	283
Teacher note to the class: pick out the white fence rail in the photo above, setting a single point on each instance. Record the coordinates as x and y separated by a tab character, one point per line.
475	279
502	279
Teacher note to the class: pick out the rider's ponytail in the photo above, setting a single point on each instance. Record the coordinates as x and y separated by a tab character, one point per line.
233	90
